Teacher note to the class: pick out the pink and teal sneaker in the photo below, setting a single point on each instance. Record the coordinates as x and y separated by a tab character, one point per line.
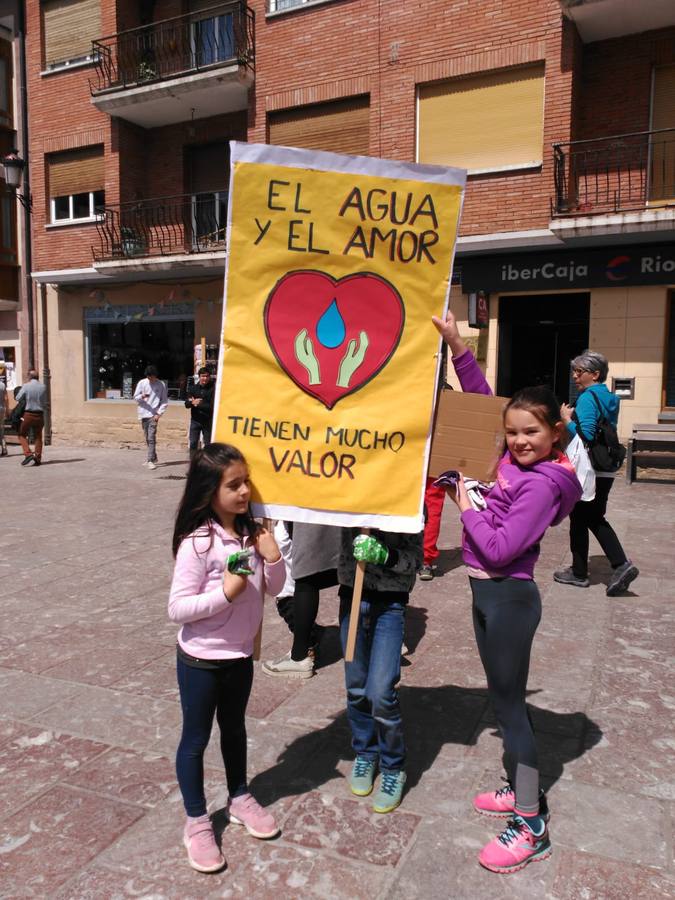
515	848
502	802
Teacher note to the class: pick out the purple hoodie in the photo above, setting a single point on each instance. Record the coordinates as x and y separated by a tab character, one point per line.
504	538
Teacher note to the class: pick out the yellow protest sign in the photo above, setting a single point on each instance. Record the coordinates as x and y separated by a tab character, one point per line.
329	361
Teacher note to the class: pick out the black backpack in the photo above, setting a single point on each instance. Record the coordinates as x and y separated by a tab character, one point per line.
605	450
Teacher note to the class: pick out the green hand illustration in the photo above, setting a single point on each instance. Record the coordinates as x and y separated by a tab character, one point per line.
352	359
304	353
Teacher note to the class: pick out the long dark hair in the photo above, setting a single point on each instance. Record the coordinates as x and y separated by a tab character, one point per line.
203	480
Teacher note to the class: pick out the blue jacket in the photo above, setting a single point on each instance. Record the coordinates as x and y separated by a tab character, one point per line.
587	410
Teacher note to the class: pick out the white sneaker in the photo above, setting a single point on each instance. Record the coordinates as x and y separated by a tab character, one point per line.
144	463
152	465
288	667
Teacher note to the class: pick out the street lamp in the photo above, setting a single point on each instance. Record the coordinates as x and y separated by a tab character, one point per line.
12	167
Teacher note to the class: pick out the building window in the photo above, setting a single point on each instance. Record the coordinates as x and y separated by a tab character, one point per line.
6	119
123	340
483	123
76	185
208	175
69	27
341	126
212	37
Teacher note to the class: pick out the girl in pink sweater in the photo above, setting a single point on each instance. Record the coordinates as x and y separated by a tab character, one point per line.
225	562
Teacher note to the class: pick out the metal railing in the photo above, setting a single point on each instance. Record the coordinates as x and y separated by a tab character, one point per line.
223	34
188	223
614	174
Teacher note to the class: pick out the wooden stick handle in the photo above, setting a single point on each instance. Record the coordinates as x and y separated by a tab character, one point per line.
356	607
268	525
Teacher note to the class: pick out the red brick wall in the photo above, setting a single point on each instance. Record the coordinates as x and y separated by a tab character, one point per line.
387	49
617	79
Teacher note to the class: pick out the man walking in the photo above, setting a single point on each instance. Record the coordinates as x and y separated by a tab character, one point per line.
35	395
200	403
152	399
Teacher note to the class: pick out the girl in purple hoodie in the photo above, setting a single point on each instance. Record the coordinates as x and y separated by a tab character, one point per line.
535	487
224	564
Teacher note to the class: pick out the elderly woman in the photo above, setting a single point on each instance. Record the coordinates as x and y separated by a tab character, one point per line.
589	372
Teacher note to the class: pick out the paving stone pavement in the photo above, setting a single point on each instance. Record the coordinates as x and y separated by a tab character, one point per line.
89	716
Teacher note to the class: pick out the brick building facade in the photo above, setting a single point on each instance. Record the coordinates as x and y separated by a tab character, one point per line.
129	171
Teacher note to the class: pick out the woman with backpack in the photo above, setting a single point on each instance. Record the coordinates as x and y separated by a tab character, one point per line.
597	409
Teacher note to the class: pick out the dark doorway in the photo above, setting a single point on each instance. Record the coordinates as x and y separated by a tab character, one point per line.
538	336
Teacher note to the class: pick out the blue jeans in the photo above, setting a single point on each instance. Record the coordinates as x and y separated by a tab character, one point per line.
205	693
149	427
372	699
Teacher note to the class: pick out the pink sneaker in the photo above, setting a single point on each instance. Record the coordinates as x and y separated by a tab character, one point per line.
245	810
496	803
502	802
200	842
514	848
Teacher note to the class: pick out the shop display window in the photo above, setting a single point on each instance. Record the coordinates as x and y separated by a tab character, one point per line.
119	350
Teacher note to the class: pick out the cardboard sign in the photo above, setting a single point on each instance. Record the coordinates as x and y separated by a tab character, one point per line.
468	436
329	362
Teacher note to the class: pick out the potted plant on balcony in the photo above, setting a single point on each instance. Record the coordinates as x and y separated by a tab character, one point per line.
146	71
132	243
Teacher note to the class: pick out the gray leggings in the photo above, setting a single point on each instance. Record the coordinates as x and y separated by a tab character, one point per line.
150	431
506	613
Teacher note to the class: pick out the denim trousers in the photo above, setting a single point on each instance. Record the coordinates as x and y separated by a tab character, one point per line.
150	432
205	694
373	708
197	430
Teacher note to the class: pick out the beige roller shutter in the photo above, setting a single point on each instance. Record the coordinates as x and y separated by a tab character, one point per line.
662	164
76	172
494	120
69	28
209	168
342	126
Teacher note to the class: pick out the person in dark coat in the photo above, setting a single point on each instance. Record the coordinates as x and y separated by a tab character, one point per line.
199	401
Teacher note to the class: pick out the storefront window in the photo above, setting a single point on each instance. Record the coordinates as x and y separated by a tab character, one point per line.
670	351
123	340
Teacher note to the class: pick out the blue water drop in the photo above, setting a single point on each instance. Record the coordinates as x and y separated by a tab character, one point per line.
330	329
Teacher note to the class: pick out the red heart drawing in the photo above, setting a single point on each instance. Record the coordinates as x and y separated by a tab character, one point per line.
332	336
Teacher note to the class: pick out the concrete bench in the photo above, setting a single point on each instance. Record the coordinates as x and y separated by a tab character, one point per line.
650	446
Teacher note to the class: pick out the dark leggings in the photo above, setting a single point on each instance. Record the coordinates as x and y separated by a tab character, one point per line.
590	516
506	613
222	692
306	608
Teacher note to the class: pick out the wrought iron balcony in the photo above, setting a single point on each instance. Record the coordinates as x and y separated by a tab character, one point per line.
186	224
621	173
218	36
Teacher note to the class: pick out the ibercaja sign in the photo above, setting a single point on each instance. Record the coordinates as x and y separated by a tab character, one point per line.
609	267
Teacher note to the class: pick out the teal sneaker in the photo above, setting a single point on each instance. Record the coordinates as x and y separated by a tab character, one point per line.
363	775
390	792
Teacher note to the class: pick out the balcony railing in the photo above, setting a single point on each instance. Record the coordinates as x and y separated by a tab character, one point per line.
189	223
621	173
220	35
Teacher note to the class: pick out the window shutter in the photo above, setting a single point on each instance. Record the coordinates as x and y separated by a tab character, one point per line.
489	121
662	164
342	127
69	28
76	172
209	168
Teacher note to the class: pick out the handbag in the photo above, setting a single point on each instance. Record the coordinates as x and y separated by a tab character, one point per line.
578	456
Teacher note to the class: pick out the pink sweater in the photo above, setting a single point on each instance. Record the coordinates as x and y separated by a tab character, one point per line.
214	628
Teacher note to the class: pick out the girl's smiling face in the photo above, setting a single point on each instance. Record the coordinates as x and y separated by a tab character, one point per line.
234	492
528	439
